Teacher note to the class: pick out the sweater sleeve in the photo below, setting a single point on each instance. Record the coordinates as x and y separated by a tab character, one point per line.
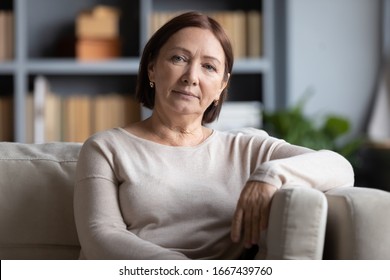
102	231
287	164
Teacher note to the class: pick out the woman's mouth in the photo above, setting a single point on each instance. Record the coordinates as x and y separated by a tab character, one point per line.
185	93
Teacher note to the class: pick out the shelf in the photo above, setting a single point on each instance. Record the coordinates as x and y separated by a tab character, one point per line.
252	78
251	66
7	67
119	66
72	66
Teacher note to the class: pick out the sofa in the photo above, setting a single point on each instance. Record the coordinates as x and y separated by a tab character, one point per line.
37	222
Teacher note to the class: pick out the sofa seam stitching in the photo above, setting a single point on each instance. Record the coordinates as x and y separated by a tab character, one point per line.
38	159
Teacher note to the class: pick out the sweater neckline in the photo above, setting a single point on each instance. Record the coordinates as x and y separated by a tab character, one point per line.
149	142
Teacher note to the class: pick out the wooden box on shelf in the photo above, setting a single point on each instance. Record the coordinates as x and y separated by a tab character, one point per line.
97	32
100	22
97	49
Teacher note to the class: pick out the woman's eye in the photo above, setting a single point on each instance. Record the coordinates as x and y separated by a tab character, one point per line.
178	59
210	67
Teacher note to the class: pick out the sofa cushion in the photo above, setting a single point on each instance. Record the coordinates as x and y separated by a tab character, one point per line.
358	224
36	201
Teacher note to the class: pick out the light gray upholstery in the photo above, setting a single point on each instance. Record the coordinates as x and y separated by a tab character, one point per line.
36	212
358	224
36	201
297	224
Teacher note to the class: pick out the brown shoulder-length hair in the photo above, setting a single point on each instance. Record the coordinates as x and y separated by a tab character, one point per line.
145	94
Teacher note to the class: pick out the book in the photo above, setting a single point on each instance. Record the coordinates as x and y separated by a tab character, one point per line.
239	114
76	118
9	35
6	118
254	34
114	110
132	109
29	104
43	113
239	30
41	87
6	35
53	117
158	19
2	36
244	28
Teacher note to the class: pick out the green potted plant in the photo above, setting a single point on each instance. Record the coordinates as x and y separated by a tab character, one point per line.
296	128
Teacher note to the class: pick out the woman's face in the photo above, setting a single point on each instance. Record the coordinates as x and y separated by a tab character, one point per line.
188	72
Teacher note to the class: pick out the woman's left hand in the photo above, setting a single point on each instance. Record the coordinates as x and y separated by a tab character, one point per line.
252	211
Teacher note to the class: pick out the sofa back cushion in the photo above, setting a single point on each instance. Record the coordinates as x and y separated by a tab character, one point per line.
36	201
358	224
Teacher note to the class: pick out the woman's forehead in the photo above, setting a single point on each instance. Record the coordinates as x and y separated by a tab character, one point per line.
195	39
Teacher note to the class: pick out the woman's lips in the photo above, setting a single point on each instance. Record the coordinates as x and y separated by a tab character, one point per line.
186	93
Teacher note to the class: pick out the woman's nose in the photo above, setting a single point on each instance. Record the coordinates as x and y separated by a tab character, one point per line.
190	77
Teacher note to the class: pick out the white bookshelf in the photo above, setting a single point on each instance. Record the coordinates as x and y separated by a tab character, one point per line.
39	24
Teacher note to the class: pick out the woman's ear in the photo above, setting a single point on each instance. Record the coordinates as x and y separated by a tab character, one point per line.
151	71
225	82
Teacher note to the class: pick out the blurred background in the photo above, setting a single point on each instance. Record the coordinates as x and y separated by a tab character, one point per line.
315	72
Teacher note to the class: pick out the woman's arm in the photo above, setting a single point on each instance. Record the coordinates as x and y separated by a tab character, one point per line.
280	164
294	165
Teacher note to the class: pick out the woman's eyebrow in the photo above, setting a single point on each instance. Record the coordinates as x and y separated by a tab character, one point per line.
212	58
180	48
205	56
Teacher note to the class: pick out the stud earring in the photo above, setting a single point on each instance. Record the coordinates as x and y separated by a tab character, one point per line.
216	101
151	84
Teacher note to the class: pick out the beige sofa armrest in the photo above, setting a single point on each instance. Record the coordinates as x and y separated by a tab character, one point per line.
358	224
297	222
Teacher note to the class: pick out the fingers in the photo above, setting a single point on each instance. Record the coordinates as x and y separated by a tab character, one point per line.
252	217
265	217
257	218
248	228
252	211
237	225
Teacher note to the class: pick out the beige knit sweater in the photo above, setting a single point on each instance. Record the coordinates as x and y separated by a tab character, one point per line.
136	199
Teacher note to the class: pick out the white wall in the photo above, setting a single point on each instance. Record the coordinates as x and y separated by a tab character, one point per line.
386	29
333	49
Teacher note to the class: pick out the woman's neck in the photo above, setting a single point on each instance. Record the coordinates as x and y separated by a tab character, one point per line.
183	133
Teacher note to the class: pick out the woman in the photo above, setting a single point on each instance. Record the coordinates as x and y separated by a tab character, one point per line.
168	187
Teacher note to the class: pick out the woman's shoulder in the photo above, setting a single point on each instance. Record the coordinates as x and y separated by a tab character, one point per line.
104	135
249	136
106	138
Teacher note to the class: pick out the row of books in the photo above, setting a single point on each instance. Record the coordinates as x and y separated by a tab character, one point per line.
244	29
52	117
73	118
6	35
